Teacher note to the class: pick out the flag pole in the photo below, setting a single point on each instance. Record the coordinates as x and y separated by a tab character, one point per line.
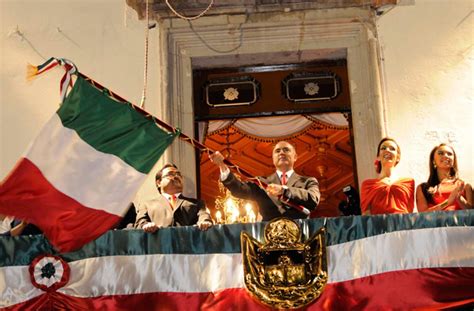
192	141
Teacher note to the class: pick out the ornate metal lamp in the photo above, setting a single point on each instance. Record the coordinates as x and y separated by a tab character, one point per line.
231	210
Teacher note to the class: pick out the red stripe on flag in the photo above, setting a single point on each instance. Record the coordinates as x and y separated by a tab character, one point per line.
26	194
404	290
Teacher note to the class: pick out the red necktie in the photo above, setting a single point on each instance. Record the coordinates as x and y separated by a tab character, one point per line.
173	201
283	179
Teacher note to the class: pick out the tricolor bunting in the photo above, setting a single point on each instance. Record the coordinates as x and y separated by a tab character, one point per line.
386	262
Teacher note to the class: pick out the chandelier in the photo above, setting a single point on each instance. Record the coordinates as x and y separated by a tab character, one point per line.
231	210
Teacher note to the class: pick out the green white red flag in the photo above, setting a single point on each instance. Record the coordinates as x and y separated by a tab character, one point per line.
84	168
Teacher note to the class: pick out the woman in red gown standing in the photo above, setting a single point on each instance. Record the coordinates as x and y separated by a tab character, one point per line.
443	191
386	194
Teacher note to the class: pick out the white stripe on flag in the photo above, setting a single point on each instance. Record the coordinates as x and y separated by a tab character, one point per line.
154	273
15	286
94	179
443	247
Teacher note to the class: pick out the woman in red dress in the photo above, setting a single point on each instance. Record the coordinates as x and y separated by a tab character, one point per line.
386	194
443	191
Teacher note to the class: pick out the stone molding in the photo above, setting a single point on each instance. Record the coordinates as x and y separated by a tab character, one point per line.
351	30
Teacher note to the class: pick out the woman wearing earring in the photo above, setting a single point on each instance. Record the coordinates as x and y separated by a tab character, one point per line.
386	194
443	191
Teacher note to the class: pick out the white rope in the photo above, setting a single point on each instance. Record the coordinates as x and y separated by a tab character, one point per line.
145	69
147	31
186	17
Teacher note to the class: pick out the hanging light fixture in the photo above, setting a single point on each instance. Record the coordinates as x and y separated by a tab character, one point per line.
231	210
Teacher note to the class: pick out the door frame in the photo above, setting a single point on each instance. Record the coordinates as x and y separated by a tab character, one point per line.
350	30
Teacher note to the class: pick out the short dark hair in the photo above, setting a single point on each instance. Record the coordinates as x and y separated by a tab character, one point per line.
159	174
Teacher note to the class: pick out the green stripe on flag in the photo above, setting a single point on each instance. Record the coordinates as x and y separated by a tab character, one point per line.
225	238
113	127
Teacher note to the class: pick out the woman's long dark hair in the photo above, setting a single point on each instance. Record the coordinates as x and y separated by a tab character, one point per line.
378	167
433	179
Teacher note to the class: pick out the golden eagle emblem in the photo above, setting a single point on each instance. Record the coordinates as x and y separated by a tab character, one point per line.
284	272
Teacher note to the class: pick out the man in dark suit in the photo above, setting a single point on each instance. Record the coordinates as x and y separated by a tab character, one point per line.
283	185
171	208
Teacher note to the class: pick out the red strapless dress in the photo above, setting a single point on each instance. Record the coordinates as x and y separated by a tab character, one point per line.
442	195
383	198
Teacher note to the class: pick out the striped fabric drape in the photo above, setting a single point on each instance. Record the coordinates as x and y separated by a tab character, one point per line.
386	262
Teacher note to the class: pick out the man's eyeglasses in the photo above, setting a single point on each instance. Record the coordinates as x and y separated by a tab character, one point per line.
172	174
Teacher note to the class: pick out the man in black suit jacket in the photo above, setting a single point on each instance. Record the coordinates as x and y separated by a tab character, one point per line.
171	208
284	185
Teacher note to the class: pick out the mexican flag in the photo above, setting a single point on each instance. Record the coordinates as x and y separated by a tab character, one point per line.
84	168
387	262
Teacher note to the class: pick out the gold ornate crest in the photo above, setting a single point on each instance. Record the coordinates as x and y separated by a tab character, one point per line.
284	272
